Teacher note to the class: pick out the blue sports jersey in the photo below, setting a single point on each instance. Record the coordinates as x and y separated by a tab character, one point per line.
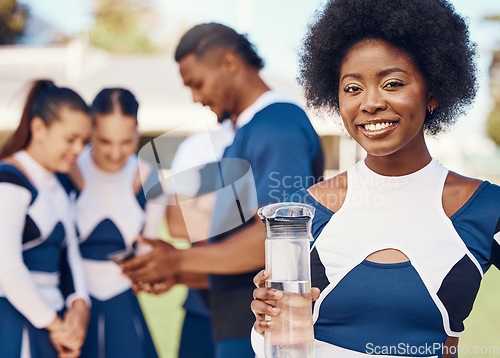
284	153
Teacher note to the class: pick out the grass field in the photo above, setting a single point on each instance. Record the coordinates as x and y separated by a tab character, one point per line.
165	315
482	327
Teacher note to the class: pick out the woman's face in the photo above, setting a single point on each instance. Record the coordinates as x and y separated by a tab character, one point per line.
383	99
62	141
114	140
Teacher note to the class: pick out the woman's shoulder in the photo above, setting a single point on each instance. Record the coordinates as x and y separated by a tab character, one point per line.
12	172
457	191
330	193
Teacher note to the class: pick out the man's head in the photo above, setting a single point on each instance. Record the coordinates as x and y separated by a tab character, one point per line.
212	57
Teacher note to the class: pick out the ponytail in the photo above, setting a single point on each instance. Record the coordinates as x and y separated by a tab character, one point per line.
22	135
44	100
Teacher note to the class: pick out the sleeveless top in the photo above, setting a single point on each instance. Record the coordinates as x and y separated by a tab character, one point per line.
407	308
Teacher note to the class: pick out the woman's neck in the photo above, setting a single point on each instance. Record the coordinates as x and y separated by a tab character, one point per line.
405	161
37	156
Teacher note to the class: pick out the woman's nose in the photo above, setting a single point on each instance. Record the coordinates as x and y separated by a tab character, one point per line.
373	101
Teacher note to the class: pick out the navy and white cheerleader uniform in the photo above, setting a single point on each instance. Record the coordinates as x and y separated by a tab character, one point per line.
109	218
36	227
400	309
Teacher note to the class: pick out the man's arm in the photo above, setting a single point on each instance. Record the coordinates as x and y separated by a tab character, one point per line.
193	280
241	253
175	221
189	217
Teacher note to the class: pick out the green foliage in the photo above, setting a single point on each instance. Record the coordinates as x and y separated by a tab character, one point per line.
493	124
493	121
492	18
13	17
121	26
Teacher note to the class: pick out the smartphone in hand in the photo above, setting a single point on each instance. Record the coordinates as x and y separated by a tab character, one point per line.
121	255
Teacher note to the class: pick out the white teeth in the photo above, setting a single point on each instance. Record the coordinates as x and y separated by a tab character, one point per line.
377	127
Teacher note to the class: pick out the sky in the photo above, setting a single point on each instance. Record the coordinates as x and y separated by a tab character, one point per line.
277	28
264	20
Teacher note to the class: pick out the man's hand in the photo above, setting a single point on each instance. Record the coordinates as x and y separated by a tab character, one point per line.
156	288
157	265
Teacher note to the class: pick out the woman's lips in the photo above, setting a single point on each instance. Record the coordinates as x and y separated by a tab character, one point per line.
378	129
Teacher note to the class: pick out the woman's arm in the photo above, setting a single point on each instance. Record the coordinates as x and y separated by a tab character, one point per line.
15	279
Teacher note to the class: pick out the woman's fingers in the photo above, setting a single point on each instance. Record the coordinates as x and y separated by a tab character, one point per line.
261	308
260	279
315	292
261	326
267	294
262	305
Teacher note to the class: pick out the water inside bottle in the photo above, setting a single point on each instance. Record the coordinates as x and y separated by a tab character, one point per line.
292	333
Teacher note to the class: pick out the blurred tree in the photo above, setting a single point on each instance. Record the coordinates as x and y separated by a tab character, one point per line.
13	18
492	17
121	26
493	124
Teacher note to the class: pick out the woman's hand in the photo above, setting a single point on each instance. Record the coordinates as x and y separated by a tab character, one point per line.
68	335
264	302
75	321
57	337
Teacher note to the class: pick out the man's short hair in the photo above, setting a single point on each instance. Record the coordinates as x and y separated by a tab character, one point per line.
204	37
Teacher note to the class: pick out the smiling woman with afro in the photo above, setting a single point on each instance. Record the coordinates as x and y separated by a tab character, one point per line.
431	32
400	242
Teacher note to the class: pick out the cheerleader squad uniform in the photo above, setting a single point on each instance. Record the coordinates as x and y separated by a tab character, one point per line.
36	228
110	216
400	309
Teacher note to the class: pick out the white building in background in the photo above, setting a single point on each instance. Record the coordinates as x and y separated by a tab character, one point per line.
166	105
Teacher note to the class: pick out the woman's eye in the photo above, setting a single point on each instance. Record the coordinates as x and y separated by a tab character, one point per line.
394	84
351	88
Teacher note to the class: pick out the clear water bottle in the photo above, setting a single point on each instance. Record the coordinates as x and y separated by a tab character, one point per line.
288	236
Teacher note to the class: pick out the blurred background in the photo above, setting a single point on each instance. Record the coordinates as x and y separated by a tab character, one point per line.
90	44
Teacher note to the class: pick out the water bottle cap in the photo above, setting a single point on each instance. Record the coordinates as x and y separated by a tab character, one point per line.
287	211
287	220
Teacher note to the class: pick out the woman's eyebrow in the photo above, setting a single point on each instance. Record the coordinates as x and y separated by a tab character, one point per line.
380	74
389	71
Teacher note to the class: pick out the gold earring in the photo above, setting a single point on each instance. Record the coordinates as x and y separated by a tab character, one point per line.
430	109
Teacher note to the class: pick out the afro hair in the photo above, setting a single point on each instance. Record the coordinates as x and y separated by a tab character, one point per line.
430	31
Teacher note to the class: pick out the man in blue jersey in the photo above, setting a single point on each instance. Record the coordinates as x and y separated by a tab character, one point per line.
275	145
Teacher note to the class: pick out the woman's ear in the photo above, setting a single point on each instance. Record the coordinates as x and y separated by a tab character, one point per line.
432	101
38	128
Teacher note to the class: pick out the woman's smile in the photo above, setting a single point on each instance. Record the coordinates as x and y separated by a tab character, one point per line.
383	100
377	128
